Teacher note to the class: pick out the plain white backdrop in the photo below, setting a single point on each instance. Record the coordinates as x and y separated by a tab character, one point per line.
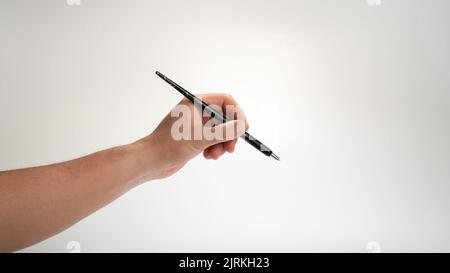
353	97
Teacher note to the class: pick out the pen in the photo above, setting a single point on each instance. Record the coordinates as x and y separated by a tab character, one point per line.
218	116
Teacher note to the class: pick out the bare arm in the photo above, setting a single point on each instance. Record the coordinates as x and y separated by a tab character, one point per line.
36	203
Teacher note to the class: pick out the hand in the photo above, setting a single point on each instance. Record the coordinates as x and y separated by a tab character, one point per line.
203	134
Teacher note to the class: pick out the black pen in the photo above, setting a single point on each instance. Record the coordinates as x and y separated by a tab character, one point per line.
218	116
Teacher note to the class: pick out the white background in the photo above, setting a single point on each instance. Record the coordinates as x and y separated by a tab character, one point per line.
353	97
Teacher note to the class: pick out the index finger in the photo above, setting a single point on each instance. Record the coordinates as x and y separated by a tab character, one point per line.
225	100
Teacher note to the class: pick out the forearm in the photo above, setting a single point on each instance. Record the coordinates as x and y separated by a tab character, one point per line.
36	203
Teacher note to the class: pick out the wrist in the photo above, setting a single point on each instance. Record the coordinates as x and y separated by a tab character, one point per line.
151	159
144	158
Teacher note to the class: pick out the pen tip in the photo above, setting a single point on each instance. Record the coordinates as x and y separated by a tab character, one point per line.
275	156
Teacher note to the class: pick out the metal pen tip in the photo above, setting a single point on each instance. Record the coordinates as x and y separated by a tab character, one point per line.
275	156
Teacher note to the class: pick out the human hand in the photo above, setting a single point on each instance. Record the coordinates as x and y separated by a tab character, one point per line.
186	132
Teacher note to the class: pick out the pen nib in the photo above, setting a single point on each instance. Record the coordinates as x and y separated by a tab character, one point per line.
275	156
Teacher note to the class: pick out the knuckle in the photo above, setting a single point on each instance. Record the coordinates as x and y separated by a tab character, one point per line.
228	96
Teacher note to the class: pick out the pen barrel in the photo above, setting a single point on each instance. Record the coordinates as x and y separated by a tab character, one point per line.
257	144
218	116
213	113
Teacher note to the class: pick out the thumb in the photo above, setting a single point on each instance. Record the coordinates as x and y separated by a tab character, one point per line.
223	132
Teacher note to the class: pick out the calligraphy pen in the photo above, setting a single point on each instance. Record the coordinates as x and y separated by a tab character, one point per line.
218	116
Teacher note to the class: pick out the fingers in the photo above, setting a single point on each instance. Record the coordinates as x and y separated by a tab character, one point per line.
219	138
218	98
214	152
223	132
230	145
227	103
217	150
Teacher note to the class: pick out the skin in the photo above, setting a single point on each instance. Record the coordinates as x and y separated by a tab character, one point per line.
37	203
